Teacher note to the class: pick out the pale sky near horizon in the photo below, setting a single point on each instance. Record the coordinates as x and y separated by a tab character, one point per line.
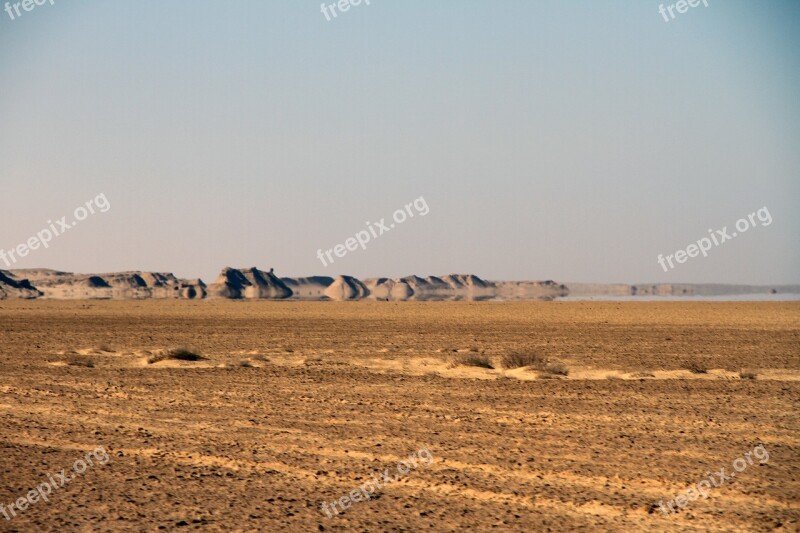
568	140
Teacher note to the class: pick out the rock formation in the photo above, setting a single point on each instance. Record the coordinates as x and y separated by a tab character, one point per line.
248	283
13	287
133	285
346	288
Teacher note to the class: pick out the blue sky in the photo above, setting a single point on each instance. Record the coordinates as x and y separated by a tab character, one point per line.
571	140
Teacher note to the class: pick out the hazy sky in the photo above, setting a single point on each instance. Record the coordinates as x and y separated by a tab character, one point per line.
572	140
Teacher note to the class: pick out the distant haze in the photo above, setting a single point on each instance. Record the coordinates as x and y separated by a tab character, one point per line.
569	140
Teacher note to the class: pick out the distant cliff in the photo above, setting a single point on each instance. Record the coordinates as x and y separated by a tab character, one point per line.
252	283
118	285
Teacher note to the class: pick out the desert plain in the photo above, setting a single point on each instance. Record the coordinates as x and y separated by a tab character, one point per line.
292	404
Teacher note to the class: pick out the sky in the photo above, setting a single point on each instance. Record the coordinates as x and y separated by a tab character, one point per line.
567	140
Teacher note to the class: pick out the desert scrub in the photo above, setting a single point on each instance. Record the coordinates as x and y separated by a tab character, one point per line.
79	360
176	354
520	359
747	374
545	365
555	368
695	366
473	359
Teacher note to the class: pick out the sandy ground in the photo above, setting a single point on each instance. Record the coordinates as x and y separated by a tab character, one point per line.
297	404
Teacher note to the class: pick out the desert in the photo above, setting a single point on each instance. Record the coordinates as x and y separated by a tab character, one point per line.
292	404
489	266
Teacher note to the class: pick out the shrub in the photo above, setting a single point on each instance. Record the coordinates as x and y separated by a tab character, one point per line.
79	360
178	354
546	365
518	359
473	359
556	368
747	374
695	366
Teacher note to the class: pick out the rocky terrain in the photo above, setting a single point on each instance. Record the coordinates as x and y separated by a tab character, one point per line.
287	408
252	283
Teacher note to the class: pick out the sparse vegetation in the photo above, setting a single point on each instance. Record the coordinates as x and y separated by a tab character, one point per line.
695	366
520	359
245	363
260	357
556	368
747	374
642	375
104	348
177	354
473	359
535	361
79	360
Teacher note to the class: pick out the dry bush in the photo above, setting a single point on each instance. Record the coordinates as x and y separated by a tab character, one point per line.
519	359
643	375
177	354
473	359
260	357
535	361
245	364
79	360
747	374
104	348
695	366
556	368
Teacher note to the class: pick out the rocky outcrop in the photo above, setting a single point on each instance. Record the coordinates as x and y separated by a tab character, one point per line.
248	283
252	283
13	287
133	285
310	288
530	290
449	287
346	288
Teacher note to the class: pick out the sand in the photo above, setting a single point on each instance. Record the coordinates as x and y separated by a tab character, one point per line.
298	403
